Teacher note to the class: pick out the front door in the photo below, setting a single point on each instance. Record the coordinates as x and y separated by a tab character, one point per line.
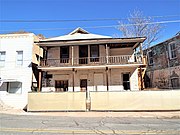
83	54
83	85
126	82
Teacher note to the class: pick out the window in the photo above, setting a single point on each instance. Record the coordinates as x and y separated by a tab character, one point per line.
175	82
15	87
2	58
94	53
172	50
64	54
150	58
19	61
61	85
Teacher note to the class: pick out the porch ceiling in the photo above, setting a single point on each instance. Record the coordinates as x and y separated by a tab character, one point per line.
89	67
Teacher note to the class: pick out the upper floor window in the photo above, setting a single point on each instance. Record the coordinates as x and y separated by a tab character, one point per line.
64	54
19	60
94	53
172	50
2	58
150	58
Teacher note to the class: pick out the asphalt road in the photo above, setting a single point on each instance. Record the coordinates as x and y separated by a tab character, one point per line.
59	125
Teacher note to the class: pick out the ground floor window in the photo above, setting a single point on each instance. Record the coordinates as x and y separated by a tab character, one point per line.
175	82
61	85
11	87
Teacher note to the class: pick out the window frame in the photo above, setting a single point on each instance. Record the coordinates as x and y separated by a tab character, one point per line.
172	51
19	60
2	61
64	58
150	58
94	59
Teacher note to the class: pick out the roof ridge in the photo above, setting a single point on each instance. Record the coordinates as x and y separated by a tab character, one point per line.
78	30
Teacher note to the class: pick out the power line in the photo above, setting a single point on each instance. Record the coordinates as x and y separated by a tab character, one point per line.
83	20
107	26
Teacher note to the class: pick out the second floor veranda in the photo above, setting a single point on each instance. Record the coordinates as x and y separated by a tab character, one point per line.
93	52
94	61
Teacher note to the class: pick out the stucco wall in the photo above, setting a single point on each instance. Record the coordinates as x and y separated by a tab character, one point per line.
64	101
141	100
105	101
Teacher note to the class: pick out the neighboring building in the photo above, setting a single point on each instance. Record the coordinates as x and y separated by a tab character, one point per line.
81	61
19	58
163	69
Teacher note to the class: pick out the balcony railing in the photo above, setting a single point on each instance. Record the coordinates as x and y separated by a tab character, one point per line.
90	61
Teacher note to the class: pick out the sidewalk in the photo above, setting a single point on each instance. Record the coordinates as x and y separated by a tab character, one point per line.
161	114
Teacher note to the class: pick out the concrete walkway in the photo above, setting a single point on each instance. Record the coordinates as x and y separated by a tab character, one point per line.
162	114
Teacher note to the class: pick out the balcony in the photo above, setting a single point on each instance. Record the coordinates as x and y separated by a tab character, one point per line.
92	61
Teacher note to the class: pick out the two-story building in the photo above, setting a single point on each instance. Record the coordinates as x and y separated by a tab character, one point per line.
19	58
81	61
163	70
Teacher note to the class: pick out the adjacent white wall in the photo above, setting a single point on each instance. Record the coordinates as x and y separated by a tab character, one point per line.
10	43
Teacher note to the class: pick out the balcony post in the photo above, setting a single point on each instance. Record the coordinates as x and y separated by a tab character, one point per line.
141	79
107	55
141	52
40	81
72	51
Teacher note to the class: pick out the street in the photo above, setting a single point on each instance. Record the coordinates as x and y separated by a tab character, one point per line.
61	125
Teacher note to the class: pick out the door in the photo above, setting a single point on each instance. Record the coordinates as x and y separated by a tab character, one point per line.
126	82
98	82
83	85
83	54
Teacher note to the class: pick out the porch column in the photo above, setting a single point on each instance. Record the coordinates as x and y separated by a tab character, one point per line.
72	55
89	54
40	81
73	78
141	78
107	55
107	78
141	52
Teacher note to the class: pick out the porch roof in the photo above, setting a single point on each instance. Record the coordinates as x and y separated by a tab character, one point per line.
82	37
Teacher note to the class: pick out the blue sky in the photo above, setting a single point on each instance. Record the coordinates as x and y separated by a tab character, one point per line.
83	9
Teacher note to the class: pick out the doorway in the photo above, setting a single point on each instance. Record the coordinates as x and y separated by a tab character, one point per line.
98	82
83	85
83	54
126	82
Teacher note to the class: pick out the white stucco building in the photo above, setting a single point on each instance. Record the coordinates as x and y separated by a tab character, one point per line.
18	60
